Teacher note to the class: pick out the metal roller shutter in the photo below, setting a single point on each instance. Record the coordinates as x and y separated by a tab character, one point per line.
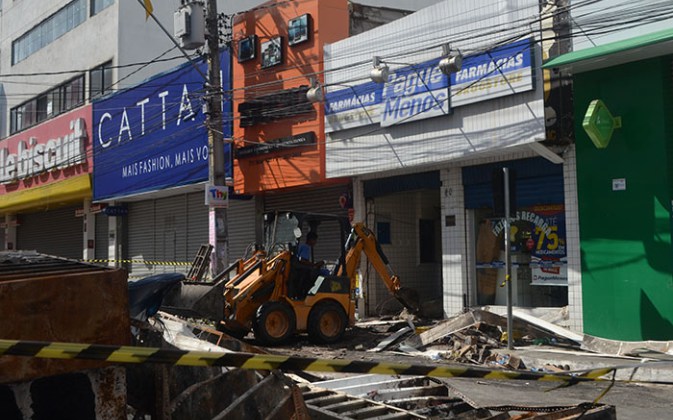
140	226
166	230
538	181
197	224
101	238
56	232
170	233
241	221
323	200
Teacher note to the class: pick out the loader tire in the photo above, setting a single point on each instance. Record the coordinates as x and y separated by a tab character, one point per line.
275	322
327	322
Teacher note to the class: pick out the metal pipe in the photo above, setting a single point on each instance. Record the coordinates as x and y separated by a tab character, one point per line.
508	262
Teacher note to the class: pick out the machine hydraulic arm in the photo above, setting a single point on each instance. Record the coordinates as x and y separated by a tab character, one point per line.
362	240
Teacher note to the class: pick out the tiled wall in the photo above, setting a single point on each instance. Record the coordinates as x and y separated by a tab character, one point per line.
457	258
573	241
453	241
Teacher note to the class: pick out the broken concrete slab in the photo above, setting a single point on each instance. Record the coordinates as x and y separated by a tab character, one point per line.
621	348
391	339
555	329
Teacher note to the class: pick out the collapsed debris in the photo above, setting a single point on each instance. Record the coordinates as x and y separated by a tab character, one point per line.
183	392
477	337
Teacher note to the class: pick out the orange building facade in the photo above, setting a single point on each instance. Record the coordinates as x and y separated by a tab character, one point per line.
279	136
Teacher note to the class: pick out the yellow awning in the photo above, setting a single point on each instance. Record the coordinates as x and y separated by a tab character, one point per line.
51	195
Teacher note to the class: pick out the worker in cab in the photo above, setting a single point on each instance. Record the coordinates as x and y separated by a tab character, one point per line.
305	254
305	250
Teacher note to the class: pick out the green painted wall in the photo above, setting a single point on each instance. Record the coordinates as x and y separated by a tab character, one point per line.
625	236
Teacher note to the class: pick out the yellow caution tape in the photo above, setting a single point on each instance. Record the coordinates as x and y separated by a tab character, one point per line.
130	354
139	262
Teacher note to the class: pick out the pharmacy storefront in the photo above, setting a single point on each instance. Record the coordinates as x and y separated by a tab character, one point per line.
426	141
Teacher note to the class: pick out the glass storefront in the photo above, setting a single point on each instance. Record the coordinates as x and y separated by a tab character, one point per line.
538	257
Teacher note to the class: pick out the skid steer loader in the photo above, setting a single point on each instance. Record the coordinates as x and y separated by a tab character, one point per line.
275	294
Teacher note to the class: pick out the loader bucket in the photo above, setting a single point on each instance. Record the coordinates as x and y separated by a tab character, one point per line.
409	299
196	300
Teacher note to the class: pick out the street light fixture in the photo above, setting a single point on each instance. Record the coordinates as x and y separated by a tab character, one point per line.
315	92
450	63
379	74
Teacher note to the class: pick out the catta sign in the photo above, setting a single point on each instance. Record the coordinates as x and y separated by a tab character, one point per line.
34	155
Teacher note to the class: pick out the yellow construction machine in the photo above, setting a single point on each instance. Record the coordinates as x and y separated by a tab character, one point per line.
276	294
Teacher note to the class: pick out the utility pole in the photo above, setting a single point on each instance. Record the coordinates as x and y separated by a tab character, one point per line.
217	175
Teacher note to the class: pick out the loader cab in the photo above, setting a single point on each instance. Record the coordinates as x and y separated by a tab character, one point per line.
286	230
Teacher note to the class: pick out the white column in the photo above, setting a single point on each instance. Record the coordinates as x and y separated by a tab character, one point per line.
573	240
114	240
89	230
10	231
454	242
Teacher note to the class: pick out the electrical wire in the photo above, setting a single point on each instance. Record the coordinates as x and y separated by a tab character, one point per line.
638	15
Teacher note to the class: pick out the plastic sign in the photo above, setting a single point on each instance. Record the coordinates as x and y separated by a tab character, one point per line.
419	91
217	196
116	210
599	124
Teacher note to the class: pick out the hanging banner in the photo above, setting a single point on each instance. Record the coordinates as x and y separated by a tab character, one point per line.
153	136
421	91
499	72
415	93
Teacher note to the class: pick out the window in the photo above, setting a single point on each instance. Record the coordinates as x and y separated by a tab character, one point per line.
100	80
98	5
247	48
60	99
272	52
50	29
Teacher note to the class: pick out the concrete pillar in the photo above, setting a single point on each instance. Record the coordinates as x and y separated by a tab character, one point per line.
114	240
10	231
89	230
573	240
454	242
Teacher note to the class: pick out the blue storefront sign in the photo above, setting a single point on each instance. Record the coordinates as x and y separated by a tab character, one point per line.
153	136
422	91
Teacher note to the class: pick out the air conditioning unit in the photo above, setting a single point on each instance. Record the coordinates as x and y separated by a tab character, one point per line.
189	25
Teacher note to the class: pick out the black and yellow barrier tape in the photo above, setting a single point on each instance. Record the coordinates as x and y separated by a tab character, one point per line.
97	261
129	354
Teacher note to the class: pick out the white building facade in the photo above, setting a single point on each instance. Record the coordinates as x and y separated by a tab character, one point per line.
425	150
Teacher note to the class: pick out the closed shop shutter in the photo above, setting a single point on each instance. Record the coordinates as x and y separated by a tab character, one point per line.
318	200
242	219
538	181
101	239
197	225
56	232
140	227
167	230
